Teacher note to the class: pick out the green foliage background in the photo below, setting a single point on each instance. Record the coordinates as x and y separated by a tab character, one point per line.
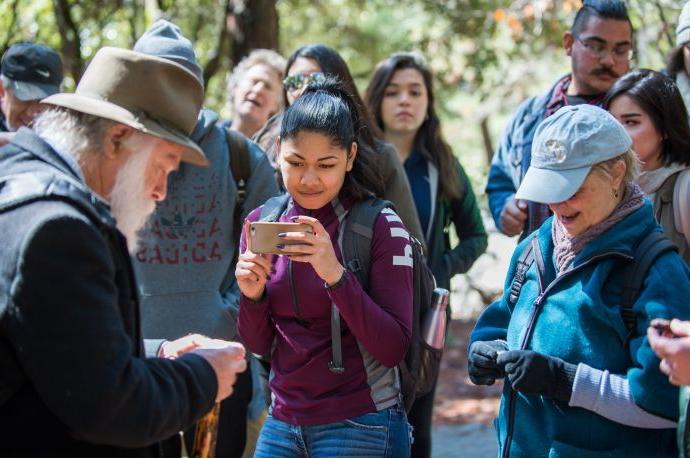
488	55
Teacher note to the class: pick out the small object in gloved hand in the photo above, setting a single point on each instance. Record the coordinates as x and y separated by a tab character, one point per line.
481	361
534	373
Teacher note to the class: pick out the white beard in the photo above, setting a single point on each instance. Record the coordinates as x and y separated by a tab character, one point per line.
130	205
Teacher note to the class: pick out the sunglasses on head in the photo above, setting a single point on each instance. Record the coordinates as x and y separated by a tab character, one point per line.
297	81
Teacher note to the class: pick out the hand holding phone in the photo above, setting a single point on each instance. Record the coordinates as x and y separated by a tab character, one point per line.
264	236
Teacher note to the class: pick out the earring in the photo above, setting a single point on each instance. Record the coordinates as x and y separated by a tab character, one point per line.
615	193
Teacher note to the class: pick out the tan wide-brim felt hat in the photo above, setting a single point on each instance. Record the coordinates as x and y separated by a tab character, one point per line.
153	95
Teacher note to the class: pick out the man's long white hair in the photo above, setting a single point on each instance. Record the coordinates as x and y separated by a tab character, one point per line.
82	135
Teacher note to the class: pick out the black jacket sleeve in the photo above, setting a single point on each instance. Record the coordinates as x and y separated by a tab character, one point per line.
65	325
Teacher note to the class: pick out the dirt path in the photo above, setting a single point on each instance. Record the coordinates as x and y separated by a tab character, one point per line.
463	412
458	401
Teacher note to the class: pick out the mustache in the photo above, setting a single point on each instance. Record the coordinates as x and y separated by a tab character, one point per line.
605	71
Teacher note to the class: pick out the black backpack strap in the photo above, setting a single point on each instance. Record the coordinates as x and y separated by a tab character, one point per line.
524	262
356	236
241	170
354	239
650	247
274	207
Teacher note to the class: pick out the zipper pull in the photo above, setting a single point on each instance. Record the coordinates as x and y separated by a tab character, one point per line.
538	300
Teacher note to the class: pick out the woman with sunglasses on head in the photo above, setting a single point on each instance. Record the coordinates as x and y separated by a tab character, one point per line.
287	299
311	64
401	99
650	107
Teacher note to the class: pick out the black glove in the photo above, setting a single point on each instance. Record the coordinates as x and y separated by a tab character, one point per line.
533	373
481	361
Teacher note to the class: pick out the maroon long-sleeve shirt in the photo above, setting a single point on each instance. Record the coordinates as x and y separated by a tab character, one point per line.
376	327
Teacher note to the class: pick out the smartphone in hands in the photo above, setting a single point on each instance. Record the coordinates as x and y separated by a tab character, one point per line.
263	236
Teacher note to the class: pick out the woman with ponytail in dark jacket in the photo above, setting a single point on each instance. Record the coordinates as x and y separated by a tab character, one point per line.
286	302
311	63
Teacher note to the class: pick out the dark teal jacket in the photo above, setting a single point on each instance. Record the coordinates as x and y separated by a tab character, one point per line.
463	213
579	321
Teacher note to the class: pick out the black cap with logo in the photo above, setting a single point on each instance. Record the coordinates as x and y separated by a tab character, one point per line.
33	71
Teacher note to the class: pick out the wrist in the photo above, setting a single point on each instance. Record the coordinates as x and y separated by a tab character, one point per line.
335	276
256	299
565	381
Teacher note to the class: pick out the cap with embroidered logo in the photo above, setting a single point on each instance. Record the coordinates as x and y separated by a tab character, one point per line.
566	145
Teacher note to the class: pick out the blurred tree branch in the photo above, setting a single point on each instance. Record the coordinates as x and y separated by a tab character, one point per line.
213	64
11	27
70	42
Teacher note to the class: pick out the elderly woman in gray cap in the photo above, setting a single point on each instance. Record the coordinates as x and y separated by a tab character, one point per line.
568	334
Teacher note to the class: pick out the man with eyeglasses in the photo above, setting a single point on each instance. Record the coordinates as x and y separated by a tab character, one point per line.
600	47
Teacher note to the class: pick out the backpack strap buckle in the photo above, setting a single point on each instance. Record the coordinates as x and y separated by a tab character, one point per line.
354	266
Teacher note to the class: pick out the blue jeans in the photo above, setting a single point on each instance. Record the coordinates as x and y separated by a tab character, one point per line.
377	435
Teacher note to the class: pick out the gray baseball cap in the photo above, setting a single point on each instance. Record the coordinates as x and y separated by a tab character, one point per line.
566	145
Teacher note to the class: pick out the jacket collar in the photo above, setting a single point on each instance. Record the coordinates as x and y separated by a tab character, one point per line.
27	140
621	238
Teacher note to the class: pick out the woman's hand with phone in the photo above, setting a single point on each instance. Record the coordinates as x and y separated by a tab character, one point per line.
315	248
671	342
252	271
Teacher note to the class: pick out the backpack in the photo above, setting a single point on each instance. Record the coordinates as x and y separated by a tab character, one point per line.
240	168
238	148
646	251
419	369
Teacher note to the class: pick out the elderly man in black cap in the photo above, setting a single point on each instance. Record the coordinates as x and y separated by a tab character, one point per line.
74	379
29	72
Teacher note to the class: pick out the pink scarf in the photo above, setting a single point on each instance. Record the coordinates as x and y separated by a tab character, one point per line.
566	248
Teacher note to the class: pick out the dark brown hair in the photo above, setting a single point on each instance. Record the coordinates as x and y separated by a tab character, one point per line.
332	64
676	62
328	108
659	97
429	140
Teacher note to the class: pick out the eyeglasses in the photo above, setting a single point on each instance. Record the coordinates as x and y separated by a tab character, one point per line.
295	82
601	51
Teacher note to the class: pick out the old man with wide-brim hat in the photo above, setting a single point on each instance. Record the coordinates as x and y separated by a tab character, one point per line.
74	380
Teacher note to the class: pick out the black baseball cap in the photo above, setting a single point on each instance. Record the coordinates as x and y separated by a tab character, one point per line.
33	71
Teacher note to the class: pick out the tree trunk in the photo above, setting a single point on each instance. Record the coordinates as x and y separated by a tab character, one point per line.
214	63
256	26
70	42
486	137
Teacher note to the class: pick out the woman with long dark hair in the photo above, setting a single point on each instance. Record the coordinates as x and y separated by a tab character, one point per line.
400	97
650	107
311	64
288	299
